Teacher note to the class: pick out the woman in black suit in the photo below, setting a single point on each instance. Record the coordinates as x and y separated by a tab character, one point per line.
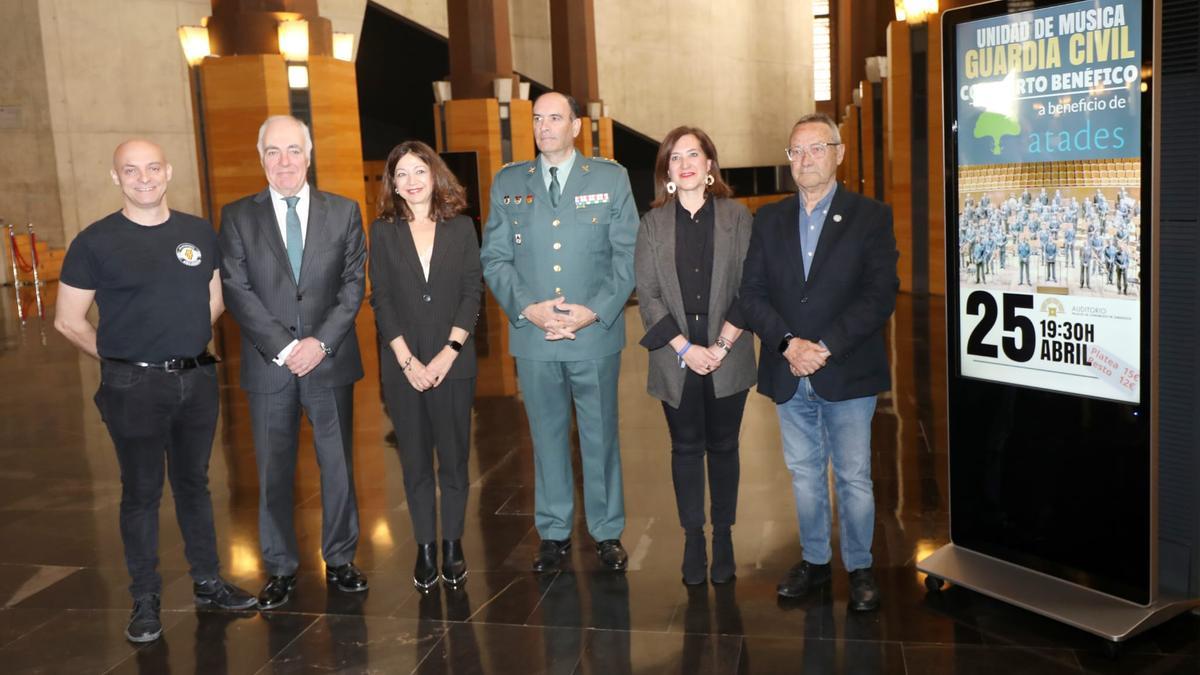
426	287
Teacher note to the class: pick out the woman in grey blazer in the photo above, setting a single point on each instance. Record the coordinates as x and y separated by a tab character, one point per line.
688	263
426	284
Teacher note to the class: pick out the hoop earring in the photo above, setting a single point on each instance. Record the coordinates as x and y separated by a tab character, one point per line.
671	187
709	180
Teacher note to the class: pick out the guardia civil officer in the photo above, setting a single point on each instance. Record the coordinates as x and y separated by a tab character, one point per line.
558	255
154	275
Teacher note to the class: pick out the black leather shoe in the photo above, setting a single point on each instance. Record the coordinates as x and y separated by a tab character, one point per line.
612	554
454	567
222	594
723	565
425	572
695	558
144	624
550	554
277	591
346	577
864	592
802	578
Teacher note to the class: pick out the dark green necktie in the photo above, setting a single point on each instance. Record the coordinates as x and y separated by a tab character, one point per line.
555	189
295	241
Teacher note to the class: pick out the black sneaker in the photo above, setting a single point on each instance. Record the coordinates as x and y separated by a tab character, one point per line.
864	592
222	594
802	578
144	625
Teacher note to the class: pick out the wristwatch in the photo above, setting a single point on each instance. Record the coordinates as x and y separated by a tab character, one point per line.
783	344
325	348
455	345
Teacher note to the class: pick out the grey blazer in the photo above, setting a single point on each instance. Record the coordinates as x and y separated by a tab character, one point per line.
268	304
659	295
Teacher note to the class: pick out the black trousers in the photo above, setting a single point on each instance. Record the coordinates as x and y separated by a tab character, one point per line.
152	416
275	419
705	429
427	421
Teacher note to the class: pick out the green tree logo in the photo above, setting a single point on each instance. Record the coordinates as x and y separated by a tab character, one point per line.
996	126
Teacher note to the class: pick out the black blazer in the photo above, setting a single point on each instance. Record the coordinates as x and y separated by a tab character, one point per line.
425	311
846	300
268	304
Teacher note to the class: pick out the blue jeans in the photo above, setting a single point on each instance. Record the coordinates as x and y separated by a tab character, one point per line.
814	432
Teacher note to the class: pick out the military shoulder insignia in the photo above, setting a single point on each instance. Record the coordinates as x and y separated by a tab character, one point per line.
517	165
607	160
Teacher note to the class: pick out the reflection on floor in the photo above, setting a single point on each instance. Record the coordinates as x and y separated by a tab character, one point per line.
63	600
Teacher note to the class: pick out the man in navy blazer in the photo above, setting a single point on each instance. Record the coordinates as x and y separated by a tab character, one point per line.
818	287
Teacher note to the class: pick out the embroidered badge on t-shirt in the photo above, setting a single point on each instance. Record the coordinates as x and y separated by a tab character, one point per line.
188	254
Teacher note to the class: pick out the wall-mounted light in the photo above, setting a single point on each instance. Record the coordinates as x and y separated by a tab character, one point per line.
915	11
194	40
297	76
343	46
293	40
502	87
523	91
441	91
877	68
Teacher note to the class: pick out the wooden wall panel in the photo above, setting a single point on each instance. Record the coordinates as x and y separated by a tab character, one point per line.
937	211
897	136
869	118
852	136
239	92
473	125
521	114
337	140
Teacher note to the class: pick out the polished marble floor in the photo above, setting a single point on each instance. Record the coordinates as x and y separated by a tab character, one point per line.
63	599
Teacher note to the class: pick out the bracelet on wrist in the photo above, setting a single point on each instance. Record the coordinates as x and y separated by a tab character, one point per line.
407	363
679	354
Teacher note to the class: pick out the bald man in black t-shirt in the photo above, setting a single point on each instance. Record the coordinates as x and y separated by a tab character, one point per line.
154	275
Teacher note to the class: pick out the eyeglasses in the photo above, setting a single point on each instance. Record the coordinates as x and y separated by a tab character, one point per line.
814	150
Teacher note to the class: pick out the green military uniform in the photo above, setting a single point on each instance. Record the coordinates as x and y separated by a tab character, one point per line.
581	250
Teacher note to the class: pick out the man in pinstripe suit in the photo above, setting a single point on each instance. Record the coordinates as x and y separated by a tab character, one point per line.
294	278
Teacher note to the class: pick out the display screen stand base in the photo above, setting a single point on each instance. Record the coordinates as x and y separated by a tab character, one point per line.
1103	615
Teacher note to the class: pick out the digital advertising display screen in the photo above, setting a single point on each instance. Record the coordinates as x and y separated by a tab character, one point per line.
1048	230
1050	270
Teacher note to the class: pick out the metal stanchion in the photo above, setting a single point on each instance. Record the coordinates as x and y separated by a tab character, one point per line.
36	263
13	254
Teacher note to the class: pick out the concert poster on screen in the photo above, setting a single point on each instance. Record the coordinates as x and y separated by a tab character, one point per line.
1049	241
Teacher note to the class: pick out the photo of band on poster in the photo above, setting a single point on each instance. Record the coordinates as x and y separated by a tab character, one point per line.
1049	218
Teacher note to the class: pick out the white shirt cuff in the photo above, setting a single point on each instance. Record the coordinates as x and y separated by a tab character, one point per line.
285	352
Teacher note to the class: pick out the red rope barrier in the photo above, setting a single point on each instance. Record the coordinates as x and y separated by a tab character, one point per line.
22	264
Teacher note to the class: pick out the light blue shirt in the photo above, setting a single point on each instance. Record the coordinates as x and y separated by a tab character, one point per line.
564	170
811	225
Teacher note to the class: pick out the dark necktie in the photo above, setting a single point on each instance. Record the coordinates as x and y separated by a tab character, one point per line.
555	189
295	241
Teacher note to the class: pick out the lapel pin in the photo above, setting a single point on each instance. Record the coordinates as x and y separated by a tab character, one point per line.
517	238
518	198
528	199
507	199
837	217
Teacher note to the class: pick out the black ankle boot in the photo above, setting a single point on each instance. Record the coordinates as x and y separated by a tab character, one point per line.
454	568
723	566
695	558
425	572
